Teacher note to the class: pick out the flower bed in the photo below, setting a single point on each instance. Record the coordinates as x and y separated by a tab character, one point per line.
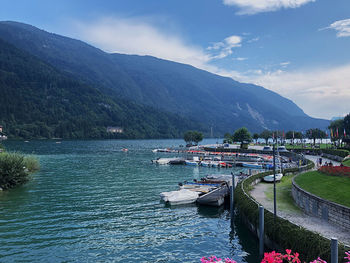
274	257
335	170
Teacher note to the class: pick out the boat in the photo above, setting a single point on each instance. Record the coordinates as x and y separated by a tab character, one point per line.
269	178
252	165
182	196
161	150
164	160
205	163
216	197
191	162
177	161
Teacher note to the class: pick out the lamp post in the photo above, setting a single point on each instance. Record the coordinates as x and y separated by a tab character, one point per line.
274	184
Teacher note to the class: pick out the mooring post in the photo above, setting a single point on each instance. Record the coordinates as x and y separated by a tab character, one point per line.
232	196
261	231
334	250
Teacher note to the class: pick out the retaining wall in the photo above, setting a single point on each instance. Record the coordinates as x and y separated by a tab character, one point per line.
328	211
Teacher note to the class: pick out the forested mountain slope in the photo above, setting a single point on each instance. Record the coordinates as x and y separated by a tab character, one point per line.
37	101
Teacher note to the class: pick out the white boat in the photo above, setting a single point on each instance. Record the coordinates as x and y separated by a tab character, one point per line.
182	196
164	160
160	150
269	178
252	165
206	163
193	163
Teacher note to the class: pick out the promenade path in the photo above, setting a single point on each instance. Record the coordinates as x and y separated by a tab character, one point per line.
298	217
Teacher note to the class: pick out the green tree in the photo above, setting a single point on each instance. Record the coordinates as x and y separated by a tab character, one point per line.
314	134
188	137
256	137
242	135
191	137
197	137
228	138
266	134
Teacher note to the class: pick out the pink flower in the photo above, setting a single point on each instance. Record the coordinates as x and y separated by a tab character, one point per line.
347	256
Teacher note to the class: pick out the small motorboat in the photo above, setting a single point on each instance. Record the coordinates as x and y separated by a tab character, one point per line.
125	150
206	163
270	178
190	162
252	165
182	196
165	160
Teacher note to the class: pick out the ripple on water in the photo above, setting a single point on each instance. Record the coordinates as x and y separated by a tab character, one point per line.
93	203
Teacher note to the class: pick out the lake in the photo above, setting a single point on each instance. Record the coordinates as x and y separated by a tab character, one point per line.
91	202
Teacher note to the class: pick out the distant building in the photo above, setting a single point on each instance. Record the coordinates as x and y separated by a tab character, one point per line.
115	129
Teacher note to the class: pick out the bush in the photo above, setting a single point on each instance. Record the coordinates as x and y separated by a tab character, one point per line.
31	163
13	169
336	152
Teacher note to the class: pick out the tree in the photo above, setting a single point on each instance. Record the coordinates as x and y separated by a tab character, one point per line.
228	138
242	135
315	134
188	137
193	136
266	134
256	137
197	137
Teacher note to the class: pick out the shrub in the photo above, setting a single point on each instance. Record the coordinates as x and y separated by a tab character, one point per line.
13	169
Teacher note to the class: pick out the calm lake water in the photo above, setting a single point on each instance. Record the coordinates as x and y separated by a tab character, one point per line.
91	202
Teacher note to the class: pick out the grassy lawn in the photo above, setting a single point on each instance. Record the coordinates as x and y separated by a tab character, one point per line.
284	197
332	188
347	163
308	146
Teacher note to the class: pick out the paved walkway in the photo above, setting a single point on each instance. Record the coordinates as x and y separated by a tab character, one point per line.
299	218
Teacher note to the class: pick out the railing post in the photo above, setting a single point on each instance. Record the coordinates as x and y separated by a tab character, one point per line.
261	231
232	196
334	250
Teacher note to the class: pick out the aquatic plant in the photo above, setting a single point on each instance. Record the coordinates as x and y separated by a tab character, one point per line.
15	168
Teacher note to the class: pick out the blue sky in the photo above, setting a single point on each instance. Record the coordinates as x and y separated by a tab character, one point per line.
298	48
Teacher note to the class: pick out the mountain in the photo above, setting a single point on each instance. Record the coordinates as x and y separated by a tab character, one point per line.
38	101
213	100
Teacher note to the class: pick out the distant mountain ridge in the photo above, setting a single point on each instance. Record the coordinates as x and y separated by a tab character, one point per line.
213	100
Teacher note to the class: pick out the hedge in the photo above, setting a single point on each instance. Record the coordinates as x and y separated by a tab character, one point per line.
287	235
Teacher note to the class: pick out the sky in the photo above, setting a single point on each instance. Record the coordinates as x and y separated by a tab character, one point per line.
297	48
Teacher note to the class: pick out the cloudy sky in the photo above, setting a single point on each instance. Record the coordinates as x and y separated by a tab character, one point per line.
298	48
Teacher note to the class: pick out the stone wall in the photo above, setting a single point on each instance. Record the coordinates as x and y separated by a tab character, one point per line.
328	211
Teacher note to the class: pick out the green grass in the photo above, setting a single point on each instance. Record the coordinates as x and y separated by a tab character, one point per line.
347	163
284	197
332	188
307	146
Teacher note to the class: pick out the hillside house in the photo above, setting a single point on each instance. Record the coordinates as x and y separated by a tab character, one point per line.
114	129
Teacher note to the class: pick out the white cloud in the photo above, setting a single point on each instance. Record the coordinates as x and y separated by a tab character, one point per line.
224	48
253	40
322	93
342	27
285	64
240	59
133	36
249	7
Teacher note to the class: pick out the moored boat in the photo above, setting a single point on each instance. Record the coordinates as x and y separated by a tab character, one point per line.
182	196
270	178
